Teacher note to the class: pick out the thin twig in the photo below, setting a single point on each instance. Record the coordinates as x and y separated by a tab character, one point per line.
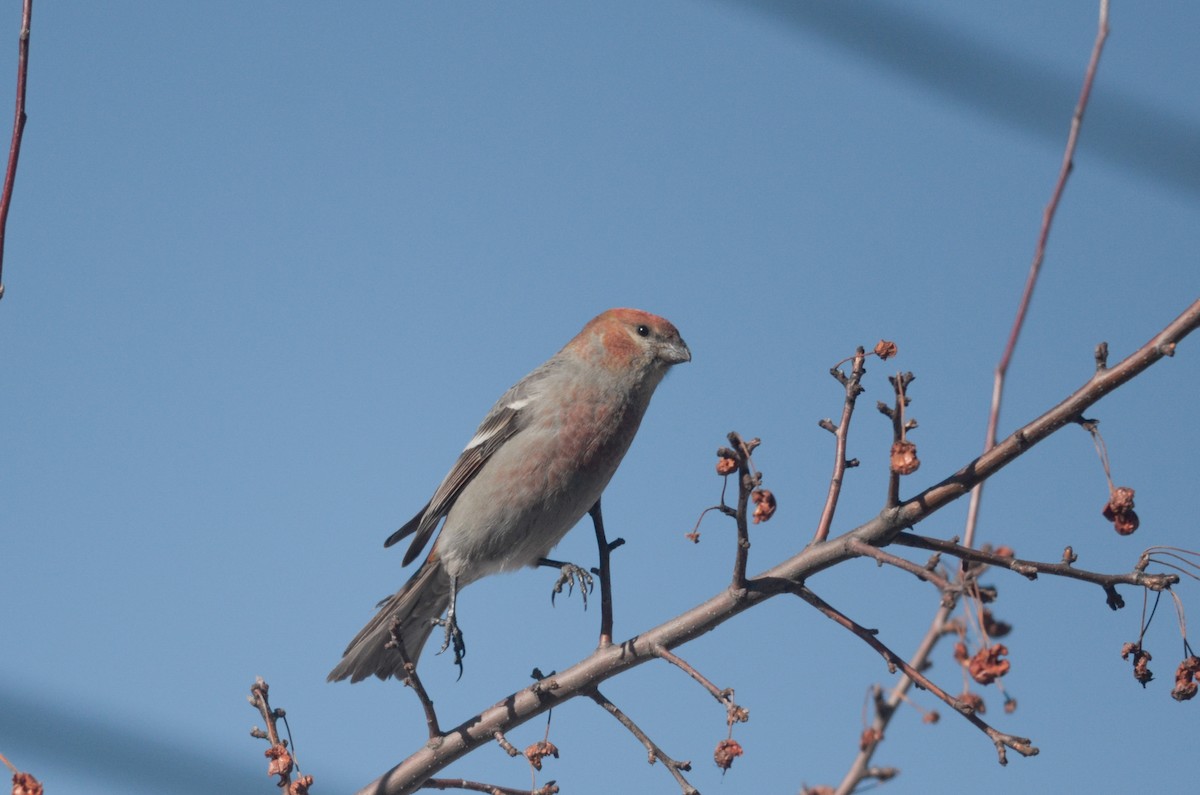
920	572
14	149
654	753
549	788
604	550
1039	255
853	385
735	713
1031	568
412	679
747	482
1021	745
900	384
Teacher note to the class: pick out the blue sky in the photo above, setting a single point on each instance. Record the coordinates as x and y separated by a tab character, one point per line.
269	263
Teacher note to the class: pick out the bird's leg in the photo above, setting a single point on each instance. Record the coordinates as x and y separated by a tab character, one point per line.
568	575
454	636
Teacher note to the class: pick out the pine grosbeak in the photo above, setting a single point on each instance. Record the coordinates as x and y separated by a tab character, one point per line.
538	462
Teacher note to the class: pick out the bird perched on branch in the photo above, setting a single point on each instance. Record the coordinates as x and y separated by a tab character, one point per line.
537	463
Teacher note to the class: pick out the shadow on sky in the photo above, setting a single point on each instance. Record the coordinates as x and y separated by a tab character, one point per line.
1125	130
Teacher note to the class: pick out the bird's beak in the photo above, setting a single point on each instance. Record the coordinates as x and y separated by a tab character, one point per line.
677	353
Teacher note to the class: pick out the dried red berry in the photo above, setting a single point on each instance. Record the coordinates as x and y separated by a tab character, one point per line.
1185	676
25	784
986	666
1119	510
1141	659
886	349
281	761
727	751
539	751
764	505
904	458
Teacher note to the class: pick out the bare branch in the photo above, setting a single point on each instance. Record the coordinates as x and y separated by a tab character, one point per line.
1039	255
413	680
853	385
549	788
604	572
14	149
1031	568
736	714
1002	741
924	573
654	753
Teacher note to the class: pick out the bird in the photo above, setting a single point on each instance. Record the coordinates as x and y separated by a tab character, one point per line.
537	463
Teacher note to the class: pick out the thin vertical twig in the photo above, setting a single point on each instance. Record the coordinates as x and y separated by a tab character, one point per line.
1039	255
14	150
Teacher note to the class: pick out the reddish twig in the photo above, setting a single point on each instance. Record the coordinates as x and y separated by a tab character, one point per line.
853	385
1039	255
14	149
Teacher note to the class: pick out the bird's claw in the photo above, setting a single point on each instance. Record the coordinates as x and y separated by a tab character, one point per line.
453	639
568	575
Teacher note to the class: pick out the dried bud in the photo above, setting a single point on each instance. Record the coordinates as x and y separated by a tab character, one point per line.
931	717
1141	658
904	458
693	536
1005	552
727	751
986	666
25	784
281	760
869	737
960	653
886	349
1185	676
300	786
764	502
1119	510
726	466
974	701
1010	705
539	751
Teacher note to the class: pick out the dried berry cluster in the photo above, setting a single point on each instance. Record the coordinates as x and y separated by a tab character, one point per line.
1119	510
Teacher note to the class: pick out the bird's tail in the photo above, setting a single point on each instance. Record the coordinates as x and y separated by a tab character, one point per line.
422	599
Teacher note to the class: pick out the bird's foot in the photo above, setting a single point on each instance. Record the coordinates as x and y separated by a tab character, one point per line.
568	576
453	639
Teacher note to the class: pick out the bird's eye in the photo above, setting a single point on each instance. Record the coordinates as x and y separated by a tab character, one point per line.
643	330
